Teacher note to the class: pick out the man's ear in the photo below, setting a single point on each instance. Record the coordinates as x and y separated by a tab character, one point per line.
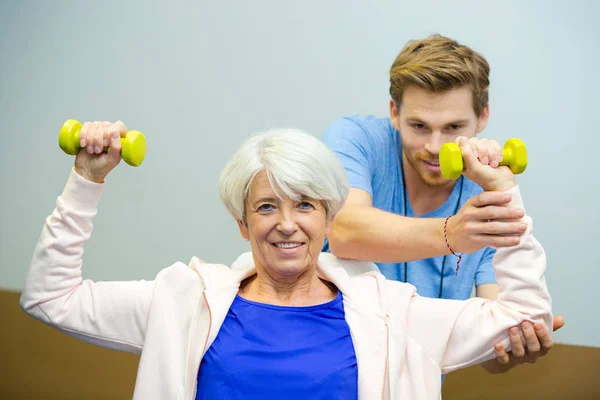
243	229
394	115
483	119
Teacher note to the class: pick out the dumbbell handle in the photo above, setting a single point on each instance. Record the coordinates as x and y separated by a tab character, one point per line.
133	145
514	156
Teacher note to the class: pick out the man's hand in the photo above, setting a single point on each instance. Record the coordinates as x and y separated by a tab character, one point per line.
484	220
538	342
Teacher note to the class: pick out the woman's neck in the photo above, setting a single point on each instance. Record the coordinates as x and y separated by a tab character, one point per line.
307	290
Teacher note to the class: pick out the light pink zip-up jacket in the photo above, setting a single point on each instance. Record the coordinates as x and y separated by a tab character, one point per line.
403	342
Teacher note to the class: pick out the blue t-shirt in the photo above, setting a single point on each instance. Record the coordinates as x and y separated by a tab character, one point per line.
370	148
265	351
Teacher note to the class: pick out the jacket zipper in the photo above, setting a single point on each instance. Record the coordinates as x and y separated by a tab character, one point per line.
388	360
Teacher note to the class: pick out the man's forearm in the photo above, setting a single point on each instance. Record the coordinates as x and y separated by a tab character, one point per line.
369	234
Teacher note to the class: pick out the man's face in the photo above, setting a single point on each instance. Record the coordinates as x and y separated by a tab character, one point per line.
426	120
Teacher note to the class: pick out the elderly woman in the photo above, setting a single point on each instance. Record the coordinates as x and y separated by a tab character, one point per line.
285	321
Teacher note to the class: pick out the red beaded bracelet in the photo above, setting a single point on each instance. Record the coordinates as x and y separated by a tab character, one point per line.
450	248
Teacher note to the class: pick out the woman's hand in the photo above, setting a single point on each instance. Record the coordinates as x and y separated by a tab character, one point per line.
482	158
92	162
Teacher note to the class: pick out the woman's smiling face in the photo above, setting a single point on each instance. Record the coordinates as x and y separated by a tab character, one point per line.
286	236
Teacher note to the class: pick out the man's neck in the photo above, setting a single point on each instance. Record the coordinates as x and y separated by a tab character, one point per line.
423	198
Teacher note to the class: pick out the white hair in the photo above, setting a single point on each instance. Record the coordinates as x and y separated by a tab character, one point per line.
297	164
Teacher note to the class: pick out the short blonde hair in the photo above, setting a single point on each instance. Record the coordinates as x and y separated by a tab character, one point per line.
297	164
438	64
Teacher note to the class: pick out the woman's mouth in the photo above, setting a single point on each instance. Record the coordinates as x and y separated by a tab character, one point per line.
287	245
288	248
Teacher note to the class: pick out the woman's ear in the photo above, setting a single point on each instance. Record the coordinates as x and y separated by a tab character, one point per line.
329	225
243	229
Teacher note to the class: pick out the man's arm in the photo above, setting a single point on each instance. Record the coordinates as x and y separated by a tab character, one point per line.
365	233
362	232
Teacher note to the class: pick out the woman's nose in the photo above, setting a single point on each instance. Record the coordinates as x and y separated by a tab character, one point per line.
286	223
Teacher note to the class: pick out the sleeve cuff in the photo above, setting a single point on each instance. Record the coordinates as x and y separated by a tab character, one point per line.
81	193
516	198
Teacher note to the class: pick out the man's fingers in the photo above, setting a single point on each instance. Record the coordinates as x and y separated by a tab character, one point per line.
501	354
517	348
490	198
495	241
531	341
558	323
494	212
544	337
499	228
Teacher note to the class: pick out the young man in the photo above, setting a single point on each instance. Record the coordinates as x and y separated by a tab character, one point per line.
398	208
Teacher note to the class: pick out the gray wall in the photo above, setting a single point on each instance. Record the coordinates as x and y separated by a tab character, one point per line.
197	77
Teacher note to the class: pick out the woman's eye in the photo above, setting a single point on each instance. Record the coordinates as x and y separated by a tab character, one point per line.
305	205
265	208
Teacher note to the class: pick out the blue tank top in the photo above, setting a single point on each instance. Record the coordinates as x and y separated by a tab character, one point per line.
266	351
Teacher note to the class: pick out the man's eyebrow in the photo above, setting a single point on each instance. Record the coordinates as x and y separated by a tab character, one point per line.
459	122
462	121
415	119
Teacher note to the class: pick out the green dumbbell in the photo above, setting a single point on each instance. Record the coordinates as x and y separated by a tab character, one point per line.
514	156
133	149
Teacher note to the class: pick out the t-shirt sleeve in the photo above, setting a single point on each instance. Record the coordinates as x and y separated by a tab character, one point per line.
485	271
352	145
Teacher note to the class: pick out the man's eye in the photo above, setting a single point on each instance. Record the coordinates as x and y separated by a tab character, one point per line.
419	127
455	127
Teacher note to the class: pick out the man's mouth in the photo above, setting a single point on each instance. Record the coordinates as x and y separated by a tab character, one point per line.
434	163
